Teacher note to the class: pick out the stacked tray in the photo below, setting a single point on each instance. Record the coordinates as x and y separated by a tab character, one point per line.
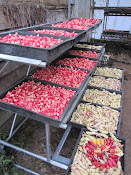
71	57
49	54
110	69
78	120
44	54
91	27
80	33
101	97
103	91
122	158
91	46
118	110
32	114
120	11
84	50
56	64
82	122
108	73
56	68
116	32
36	115
97	83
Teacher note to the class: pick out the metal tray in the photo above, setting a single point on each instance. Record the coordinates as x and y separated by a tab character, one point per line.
112	68
38	53
77	125
111	91
121	10
85	49
81	33
31	114
98	58
93	27
118	32
49	82
122	159
95	44
106	77
71	56
113	9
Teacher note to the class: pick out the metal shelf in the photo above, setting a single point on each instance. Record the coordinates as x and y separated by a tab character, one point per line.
117	36
117	11
56	160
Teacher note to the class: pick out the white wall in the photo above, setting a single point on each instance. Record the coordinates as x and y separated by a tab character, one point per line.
113	22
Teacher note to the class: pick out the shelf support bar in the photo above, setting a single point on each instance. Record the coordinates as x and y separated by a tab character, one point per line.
48	149
4	67
25	169
17	128
28	70
56	155
24	60
60	165
12	127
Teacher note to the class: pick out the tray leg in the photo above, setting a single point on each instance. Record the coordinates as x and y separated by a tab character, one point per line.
4	67
48	149
56	156
28	71
12	127
13	131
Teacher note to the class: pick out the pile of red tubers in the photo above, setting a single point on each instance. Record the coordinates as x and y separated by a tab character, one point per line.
30	40
56	32
84	53
44	99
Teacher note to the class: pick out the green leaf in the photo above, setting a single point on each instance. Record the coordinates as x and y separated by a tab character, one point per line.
6	173
2	157
6	162
21	172
43	6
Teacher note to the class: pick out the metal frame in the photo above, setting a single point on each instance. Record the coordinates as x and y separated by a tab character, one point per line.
112	37
57	160
70	2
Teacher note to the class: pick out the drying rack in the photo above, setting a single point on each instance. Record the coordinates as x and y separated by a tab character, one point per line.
56	159
117	36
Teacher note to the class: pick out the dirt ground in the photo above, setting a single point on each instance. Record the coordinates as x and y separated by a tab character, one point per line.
32	133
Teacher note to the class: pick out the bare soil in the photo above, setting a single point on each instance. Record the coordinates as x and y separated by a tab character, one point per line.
34	132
